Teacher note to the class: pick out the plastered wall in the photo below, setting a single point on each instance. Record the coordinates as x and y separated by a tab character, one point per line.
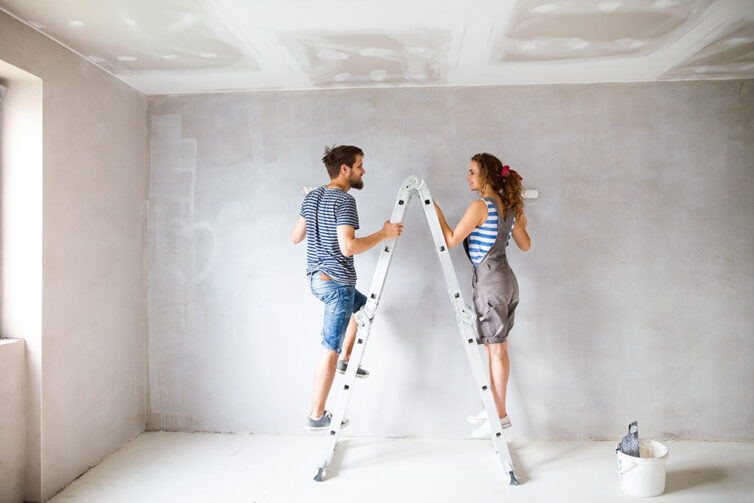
634	298
90	360
13	421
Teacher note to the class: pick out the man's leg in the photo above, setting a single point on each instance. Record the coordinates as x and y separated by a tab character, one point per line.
349	340
345	355
338	302
323	378
359	299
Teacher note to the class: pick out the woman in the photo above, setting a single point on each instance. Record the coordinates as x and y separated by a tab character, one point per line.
485	230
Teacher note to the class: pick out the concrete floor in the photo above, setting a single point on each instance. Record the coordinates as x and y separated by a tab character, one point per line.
204	467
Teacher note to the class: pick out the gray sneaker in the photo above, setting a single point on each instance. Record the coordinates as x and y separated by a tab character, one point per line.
322	423
360	372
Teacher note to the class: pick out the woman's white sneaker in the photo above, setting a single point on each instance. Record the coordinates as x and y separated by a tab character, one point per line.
484	430
479	418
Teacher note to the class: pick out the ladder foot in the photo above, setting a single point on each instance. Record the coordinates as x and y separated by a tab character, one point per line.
514	480
320	476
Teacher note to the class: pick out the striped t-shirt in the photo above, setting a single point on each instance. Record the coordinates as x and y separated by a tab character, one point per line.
483	237
324	210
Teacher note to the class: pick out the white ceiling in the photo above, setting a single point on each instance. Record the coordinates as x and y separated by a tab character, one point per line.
187	46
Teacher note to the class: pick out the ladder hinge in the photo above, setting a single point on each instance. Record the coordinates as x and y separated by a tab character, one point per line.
465	316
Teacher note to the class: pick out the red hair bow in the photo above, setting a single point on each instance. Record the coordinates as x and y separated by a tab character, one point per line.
507	171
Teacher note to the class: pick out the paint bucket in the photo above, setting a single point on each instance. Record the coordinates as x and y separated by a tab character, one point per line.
643	476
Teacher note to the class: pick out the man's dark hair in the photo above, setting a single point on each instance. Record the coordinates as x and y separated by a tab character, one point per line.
336	156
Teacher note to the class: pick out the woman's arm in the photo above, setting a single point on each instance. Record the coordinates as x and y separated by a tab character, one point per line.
520	236
475	215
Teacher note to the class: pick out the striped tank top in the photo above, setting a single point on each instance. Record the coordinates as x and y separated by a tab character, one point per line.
483	237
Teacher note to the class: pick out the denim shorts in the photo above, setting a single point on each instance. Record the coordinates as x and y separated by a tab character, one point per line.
340	302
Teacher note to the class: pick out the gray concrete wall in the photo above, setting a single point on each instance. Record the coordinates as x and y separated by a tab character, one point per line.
92	361
634	298
12	421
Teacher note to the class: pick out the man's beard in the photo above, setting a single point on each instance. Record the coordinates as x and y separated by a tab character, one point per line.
357	184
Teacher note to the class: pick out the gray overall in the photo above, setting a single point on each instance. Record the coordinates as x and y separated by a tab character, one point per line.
495	289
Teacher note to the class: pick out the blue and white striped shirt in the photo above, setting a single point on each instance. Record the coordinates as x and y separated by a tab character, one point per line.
483	237
324	210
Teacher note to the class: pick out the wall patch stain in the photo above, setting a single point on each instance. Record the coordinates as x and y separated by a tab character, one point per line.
609	29
370	58
729	54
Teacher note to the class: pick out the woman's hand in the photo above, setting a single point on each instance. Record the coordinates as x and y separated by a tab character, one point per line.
520	236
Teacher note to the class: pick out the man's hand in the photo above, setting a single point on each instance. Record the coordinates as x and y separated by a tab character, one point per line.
392	231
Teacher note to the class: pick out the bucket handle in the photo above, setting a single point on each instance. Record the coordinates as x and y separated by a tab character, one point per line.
621	472
635	427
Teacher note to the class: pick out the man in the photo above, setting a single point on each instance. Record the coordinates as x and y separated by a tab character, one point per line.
328	220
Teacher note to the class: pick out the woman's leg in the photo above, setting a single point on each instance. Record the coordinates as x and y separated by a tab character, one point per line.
497	356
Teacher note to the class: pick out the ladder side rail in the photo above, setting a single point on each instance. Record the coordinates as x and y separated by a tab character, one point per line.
364	318
496	429
465	317
441	247
333	433
388	246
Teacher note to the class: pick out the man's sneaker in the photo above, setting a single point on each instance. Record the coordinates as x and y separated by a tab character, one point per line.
484	430
479	418
360	372
322	422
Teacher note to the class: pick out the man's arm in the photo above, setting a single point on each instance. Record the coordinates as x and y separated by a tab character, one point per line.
350	245
299	232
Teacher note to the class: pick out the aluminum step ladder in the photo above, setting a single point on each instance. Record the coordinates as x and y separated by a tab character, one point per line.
465	317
